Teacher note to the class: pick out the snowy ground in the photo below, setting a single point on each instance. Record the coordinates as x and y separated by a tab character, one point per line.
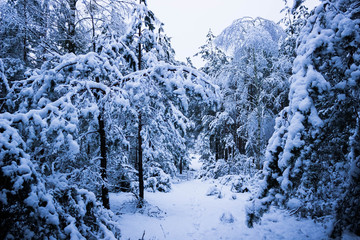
188	213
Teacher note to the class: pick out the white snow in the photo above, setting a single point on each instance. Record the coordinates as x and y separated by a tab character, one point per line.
188	213
195	161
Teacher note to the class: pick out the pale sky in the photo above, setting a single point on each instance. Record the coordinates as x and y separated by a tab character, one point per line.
188	21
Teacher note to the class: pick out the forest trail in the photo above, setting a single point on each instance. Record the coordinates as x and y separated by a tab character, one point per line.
188	212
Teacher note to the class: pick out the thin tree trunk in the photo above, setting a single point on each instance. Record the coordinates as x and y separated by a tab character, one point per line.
25	29
141	176
139	53
92	26
103	163
71	29
256	102
258	139
217	149
136	158
181	166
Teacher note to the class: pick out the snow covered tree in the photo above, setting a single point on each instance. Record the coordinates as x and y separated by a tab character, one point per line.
55	111
71	94
34	31
21	34
312	158
67	25
155	112
214	58
294	20
29	209
4	86
160	98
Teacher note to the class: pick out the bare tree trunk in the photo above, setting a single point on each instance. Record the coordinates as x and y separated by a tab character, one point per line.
258	139
139	53
103	162
71	28
136	158
226	154
141	176
181	166
92	26
25	39
105	190
257	104
217	150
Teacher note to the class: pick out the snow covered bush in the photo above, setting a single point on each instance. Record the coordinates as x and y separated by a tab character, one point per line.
213	190
239	184
13	68
212	169
313	154
155	178
229	167
207	168
122	176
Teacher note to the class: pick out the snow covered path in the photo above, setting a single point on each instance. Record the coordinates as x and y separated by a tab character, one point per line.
188	213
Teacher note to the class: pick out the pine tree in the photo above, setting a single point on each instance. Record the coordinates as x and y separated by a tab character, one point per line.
312	148
294	20
214	58
21	34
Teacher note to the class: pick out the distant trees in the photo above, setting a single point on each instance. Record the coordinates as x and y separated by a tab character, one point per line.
253	85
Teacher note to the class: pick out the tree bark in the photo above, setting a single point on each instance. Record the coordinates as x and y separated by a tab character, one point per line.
25	39
141	176
217	157
92	27
139	53
181	166
258	138
71	27
103	163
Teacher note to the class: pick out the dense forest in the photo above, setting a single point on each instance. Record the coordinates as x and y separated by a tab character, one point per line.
94	102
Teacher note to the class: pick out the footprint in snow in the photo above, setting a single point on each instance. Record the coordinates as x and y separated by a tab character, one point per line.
227	217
